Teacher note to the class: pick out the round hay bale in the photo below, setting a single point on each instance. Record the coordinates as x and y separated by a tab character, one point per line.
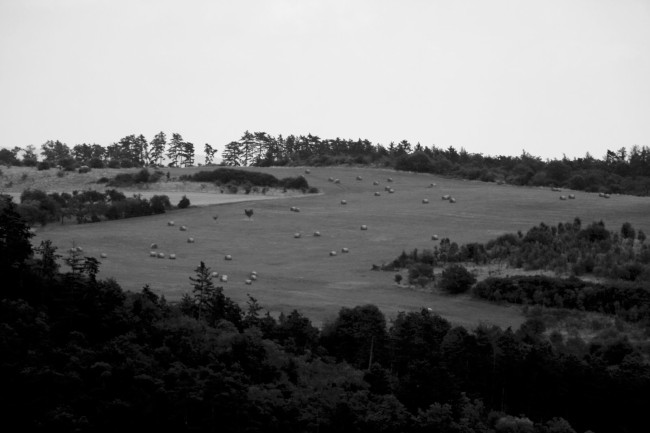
170	223
377	194
153	254
434	237
228	257
253	272
359	178
224	278
183	228
556	189
307	171
297	209
563	197
316	233
446	197
292	208
601	194
390	179
253	277
375	183
172	257
344	202
572	196
79	249
387	188
345	250
452	200
103	255
154	246
364	227
606	196
248	282
214	274
391	190
190	240
331	179
425	200
297	235
161	255
337	180
332	253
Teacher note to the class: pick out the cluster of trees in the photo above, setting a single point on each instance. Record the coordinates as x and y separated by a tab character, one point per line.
80	354
621	171
130	151
630	302
38	207
568	248
249	179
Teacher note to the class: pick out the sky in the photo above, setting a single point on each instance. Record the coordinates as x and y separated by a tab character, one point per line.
495	77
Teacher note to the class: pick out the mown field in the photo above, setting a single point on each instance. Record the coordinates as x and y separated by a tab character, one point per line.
299	272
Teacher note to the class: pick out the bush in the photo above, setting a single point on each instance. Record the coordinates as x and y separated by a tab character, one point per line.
456	279
160	203
184	203
113	163
84	169
96	163
43	165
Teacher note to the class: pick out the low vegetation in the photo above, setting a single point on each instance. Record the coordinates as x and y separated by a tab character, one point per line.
80	354
247	180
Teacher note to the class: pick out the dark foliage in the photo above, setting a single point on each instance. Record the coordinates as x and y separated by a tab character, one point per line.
456	279
244	178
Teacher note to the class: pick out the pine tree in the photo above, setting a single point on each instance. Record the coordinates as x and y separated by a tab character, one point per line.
157	150
175	149
202	288
209	154
232	154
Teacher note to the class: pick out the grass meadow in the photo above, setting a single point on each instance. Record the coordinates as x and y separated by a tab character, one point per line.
299	272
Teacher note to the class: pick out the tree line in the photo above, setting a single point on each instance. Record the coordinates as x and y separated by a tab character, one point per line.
80	354
625	171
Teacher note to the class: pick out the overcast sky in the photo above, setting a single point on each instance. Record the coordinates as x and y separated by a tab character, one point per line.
495	77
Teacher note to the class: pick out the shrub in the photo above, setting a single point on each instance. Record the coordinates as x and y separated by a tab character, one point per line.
43	165
103	179
113	163
84	169
456	279
184	202
160	203
96	163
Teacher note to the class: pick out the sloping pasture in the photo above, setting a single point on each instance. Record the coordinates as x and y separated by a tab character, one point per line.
300	273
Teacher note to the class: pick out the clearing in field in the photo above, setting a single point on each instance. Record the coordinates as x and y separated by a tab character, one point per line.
300	272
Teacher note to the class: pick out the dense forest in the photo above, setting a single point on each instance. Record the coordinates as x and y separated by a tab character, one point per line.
80	354
624	171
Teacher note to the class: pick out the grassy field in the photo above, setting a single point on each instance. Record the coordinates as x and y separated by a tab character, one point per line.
299	273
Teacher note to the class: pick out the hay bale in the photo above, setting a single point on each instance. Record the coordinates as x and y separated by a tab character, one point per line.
153	246
425	200
359	178
556	189
103	255
344	202
153	254
446	197
228	257
297	209
190	240
253	272
572	196
248	282
316	234
345	250
253	277
79	249
375	183
183	228
563	197
434	237
337	180
214	274
387	188
332	253
606	196
390	179
172	257
161	255
297	235
170	223
307	171
292	208
391	190
224	278
364	227
331	179
377	194
452	200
